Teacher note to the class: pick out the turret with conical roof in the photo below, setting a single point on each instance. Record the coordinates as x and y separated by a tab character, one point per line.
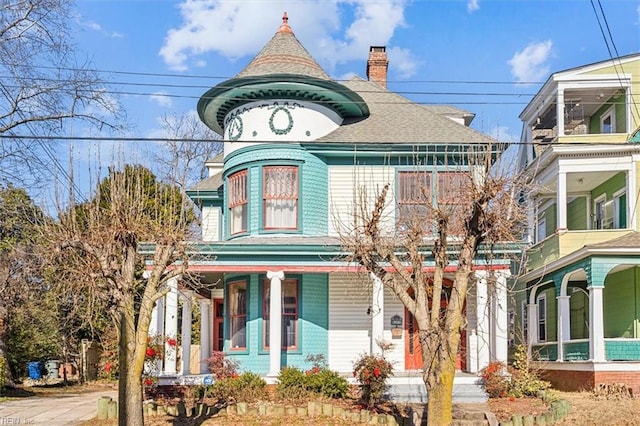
281	87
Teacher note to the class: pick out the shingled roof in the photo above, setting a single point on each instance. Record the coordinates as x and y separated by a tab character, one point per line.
396	119
284	54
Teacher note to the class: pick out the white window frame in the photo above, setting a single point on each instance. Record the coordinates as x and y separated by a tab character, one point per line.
525	321
542	317
611	115
600	215
616	209
541	229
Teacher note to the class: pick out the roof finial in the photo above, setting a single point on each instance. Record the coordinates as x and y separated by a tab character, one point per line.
285	28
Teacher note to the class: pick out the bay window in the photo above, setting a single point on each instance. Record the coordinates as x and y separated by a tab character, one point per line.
289	313
280	197
237	307
238	202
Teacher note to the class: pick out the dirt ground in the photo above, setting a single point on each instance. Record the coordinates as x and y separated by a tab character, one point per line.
585	410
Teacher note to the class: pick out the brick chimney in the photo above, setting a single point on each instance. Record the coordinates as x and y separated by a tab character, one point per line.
377	65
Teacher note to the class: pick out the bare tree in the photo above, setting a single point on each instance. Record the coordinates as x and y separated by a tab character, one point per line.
43	86
183	160
474	208
130	207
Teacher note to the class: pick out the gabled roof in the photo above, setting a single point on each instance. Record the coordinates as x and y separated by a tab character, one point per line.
212	183
396	119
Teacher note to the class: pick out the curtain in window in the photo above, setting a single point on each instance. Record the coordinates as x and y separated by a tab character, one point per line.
280	197
238	202
289	313
238	314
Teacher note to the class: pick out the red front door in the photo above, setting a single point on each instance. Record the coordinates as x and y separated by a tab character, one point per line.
218	325
412	348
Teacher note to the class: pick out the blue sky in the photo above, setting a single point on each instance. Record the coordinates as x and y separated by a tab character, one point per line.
479	53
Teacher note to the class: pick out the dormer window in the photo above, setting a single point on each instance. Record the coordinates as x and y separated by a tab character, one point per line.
280	197
238	202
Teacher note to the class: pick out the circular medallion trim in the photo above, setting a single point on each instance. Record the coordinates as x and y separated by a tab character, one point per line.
284	130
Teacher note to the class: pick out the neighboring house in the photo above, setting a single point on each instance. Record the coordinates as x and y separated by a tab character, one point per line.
298	149
581	308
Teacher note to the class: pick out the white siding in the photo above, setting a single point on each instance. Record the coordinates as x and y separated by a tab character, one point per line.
211	224
346	183
393	306
349	323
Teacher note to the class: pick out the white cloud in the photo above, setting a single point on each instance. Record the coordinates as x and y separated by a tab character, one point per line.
530	64
221	26
472	6
403	62
161	99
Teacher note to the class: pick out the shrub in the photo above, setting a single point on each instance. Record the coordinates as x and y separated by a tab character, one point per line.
247	387
293	383
525	381
495	380
372	372
516	381
326	382
221	366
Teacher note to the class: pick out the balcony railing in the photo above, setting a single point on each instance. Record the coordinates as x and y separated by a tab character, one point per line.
558	245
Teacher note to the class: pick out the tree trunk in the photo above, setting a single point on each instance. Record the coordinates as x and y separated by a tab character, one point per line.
130	411
439	378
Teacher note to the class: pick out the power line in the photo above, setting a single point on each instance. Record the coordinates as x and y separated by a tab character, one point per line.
195	140
184	76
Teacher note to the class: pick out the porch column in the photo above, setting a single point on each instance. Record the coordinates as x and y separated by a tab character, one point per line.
596	324
561	204
482	318
377	315
156	326
501	319
532	325
186	332
560	110
631	197
171	324
564	324
275	322
205	334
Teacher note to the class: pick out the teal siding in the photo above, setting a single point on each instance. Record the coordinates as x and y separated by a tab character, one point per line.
314	196
576	351
545	352
620	350
313	216
313	325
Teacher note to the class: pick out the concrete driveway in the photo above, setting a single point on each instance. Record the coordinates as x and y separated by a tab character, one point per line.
58	410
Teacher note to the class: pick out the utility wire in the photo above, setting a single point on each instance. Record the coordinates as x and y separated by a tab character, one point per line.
194	140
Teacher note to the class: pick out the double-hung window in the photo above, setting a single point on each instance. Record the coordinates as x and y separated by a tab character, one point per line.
237	185
453	197
237	307
542	318
414	198
280	197
289	313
